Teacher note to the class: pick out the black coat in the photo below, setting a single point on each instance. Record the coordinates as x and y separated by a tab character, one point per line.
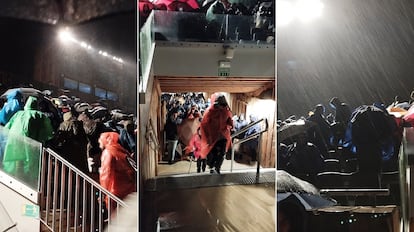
171	128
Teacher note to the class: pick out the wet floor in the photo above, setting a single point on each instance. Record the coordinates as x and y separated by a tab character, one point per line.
241	201
185	167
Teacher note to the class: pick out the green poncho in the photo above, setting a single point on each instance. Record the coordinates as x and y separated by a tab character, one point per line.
22	155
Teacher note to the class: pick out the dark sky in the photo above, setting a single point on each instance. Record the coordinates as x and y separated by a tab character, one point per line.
359	51
18	42
20	39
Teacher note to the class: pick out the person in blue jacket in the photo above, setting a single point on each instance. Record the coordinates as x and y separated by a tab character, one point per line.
14	103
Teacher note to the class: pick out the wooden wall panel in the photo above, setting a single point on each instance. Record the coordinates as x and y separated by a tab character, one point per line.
151	150
265	108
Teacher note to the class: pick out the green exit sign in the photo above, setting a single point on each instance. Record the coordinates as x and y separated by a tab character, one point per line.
224	68
223	72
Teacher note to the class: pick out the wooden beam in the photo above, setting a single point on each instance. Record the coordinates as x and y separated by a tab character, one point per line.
214	84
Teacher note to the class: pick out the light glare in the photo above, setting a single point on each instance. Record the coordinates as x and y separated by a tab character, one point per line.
303	10
65	35
309	10
284	12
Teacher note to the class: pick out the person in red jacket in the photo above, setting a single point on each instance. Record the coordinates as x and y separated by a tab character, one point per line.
215	132
194	146
116	174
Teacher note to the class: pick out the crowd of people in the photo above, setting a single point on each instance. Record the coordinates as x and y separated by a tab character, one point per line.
203	129
91	137
213	25
369	134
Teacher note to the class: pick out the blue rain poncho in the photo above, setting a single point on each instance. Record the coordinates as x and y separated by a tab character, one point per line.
14	103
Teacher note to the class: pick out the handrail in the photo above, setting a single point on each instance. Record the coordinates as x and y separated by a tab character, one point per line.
355	192
83	175
250	137
224	32
150	135
250	125
404	179
70	198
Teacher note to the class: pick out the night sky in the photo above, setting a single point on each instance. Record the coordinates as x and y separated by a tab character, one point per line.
18	42
20	39
359	51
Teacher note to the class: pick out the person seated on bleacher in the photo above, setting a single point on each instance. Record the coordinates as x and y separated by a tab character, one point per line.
305	159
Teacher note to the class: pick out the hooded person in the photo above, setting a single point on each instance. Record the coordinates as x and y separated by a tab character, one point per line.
171	133
127	136
251	146
342	115
320	135
93	129
71	142
116	174
14	103
215	132
194	146
21	158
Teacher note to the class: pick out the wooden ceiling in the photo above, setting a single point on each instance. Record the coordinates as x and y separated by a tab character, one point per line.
215	84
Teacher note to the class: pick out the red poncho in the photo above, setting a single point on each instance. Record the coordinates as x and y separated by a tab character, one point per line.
116	175
194	146
216	124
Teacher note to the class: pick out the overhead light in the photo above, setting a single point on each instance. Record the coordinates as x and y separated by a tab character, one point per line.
229	52
284	12
224	64
309	9
303	10
65	35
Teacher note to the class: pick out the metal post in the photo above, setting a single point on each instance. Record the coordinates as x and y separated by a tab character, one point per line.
227	27
404	185
189	168
232	158
259	156
62	195
92	206
55	192
69	203
84	203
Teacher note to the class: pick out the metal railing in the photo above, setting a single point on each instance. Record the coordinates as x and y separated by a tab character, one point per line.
405	177
180	26
72	201
257	135
151	136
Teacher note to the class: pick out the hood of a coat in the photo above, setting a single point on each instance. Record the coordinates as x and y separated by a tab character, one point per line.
15	95
31	103
109	138
218	99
